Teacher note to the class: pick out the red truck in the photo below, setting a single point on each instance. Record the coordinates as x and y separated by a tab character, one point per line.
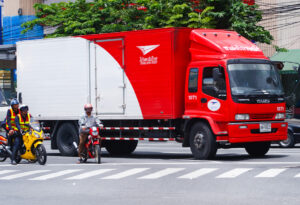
206	89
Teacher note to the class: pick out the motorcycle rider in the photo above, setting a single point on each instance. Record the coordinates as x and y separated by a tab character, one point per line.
85	122
22	122
10	124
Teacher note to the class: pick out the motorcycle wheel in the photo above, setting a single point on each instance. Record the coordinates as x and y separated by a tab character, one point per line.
3	155
41	154
2	159
98	154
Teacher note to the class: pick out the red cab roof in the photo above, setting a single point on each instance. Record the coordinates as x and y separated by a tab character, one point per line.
209	44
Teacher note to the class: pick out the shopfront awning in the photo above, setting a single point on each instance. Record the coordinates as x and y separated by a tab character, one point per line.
291	60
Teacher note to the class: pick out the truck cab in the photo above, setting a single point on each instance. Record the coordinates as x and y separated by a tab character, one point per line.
233	95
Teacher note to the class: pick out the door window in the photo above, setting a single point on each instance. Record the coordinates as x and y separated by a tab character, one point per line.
214	83
193	80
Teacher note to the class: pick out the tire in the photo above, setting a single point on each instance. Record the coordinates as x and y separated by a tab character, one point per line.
3	154
202	142
289	142
66	136
98	154
120	147
41	154
257	149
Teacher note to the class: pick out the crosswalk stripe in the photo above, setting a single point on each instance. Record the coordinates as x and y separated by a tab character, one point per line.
270	173
197	173
23	174
7	171
298	175
162	173
234	173
126	173
89	174
56	174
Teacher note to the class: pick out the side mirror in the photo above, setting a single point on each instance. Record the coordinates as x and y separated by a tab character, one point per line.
278	64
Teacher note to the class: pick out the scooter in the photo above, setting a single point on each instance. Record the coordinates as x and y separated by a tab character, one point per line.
92	146
33	149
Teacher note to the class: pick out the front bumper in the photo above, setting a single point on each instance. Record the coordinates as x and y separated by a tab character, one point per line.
239	132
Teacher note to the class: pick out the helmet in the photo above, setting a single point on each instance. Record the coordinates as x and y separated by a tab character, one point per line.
14	102
88	106
24	108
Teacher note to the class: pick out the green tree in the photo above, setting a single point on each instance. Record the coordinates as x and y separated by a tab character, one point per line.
103	16
238	16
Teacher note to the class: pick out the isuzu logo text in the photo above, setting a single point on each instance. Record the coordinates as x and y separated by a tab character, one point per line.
145	50
263	101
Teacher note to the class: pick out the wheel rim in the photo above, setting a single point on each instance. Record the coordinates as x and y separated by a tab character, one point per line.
199	141
287	141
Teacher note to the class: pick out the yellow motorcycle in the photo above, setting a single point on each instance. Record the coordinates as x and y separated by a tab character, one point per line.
33	149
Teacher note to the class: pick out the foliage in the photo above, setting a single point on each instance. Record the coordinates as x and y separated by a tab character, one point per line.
241	17
103	16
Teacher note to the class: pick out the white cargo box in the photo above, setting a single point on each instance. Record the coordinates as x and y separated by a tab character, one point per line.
56	77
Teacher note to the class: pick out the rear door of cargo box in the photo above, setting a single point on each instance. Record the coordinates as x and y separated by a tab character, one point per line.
109	79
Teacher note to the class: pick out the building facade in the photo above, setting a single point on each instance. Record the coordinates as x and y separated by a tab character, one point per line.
282	19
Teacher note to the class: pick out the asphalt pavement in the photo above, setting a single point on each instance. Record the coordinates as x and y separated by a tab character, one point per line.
156	173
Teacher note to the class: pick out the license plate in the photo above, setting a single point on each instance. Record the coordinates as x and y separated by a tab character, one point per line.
265	127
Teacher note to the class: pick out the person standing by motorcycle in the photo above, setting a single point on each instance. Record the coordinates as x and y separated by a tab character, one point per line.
10	122
85	122
22	122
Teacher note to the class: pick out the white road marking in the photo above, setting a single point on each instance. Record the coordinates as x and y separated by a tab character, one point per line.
270	173
298	175
23	174
56	174
234	173
89	174
7	171
126	173
197	173
162	173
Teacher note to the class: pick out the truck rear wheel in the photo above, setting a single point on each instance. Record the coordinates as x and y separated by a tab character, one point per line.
66	136
257	149
120	147
202	141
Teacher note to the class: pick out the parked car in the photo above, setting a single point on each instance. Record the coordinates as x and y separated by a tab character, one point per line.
293	135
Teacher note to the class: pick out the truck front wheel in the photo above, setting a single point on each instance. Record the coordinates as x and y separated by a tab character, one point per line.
66	136
120	147
202	141
257	149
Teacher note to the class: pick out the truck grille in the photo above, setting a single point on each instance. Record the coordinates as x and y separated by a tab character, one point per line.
261	116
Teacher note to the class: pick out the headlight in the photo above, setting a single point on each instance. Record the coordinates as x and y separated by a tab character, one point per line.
94	133
280	116
36	135
242	117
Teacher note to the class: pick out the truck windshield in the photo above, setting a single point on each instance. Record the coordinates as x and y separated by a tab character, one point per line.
254	79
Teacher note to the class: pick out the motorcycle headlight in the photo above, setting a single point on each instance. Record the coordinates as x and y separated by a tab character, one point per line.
36	135
95	133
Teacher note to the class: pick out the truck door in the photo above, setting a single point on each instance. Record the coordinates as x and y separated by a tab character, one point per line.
213	94
110	87
207	92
